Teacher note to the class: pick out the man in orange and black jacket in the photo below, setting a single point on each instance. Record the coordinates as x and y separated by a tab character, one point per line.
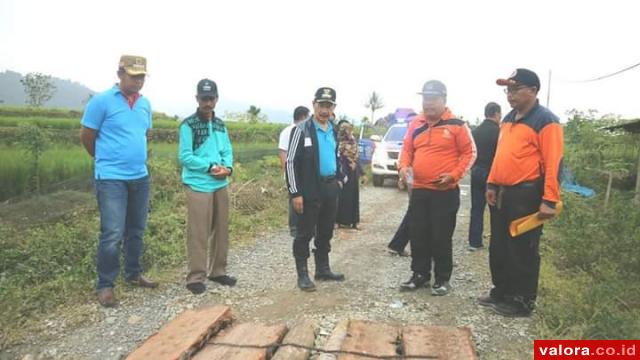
438	150
524	179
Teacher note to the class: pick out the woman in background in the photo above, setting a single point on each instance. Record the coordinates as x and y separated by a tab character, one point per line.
348	215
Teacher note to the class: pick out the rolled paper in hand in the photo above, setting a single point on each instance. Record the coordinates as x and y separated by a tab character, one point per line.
529	222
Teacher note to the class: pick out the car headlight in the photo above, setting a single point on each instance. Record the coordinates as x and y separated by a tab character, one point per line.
379	154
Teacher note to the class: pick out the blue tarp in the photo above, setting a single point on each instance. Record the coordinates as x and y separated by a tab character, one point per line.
365	147
568	182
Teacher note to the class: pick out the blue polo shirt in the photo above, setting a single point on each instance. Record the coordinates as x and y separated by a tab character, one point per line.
121	141
326	149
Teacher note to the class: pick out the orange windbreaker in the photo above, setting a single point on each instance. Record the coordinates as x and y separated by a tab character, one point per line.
529	149
445	147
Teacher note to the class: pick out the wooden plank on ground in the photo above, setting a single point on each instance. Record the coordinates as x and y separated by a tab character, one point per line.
184	335
441	342
334	342
303	333
243	334
370	338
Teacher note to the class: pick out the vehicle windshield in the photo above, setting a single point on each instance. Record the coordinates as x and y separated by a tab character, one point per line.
395	134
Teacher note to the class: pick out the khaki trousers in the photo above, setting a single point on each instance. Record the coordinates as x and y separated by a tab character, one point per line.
207	227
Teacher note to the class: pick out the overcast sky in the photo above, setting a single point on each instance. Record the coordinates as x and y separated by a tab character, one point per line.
274	54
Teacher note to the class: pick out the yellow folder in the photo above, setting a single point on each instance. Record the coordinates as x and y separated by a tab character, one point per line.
529	222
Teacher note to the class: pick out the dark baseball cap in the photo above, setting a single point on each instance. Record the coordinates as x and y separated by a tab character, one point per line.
325	94
207	87
434	88
521	76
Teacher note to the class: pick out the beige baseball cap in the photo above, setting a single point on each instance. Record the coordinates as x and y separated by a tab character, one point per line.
133	64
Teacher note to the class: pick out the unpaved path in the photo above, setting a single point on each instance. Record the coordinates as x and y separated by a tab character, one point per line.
266	292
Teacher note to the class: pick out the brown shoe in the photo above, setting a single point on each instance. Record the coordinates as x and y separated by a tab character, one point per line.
143	282
106	297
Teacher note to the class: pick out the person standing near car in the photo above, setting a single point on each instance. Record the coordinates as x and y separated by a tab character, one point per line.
438	153
485	137
313	180
300	114
115	129
524	179
206	156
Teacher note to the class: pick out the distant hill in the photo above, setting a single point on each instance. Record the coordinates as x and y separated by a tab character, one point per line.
73	95
69	94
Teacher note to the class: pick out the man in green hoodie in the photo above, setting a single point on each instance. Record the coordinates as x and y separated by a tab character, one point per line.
206	157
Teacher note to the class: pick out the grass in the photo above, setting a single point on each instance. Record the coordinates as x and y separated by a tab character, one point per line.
164	131
242	152
58	164
67	123
48	244
590	280
68	166
73	122
53	113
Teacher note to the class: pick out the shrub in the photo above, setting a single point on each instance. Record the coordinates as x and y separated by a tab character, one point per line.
590	278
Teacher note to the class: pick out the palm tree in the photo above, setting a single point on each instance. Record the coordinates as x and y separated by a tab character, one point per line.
374	103
343	117
253	113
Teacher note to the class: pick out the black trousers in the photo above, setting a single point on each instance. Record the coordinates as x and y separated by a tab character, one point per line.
401	237
349	200
432	221
515	262
318	218
479	176
293	219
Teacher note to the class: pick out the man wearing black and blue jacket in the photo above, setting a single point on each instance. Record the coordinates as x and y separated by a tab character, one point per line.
314	179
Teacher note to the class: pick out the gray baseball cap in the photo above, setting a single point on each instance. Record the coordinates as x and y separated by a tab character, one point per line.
434	88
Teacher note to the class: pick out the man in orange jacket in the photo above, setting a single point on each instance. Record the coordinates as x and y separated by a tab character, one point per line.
438	150
524	179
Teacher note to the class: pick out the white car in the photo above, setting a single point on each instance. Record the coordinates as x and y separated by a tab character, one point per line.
384	162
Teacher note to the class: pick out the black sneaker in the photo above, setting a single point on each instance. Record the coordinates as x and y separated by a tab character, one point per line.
196	288
440	288
417	281
398	252
224	280
488	301
472	248
511	309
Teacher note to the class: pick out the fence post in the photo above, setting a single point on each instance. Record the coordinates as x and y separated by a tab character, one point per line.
636	197
606	196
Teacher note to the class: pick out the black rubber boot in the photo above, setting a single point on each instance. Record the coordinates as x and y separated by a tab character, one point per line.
323	270
304	283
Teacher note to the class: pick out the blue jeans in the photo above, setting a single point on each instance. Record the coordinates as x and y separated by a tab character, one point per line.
478	202
123	205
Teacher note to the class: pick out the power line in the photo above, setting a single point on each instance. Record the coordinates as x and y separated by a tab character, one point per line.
609	75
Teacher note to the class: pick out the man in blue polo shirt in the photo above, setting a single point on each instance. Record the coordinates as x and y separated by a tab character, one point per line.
114	132
313	174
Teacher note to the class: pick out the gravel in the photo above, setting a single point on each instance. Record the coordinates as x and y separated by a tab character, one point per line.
266	292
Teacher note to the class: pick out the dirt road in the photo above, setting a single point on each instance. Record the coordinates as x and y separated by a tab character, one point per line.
266	292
